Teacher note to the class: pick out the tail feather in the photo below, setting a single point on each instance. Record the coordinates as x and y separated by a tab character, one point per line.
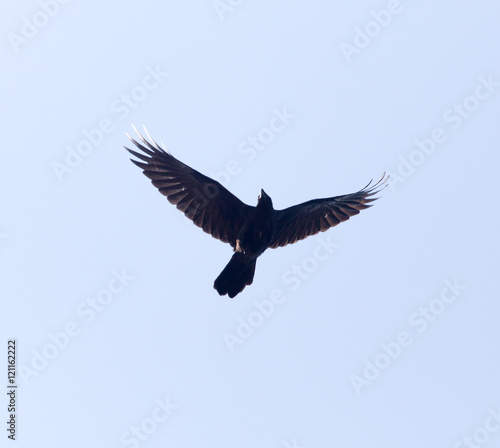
236	275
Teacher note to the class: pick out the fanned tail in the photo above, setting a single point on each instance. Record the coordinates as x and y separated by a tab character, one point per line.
236	275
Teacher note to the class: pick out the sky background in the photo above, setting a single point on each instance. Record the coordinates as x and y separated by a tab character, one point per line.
389	335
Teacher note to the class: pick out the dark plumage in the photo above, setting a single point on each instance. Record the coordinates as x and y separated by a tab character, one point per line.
249	230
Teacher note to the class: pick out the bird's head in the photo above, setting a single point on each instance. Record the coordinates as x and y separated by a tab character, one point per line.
264	200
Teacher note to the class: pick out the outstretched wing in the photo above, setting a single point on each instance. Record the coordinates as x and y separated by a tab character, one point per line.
203	200
311	217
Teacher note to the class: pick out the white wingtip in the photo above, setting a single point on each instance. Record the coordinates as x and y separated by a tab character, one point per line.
151	140
147	133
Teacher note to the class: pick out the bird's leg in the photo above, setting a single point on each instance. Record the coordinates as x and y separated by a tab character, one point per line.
238	247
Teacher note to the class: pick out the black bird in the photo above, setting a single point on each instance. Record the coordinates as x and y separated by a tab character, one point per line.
249	230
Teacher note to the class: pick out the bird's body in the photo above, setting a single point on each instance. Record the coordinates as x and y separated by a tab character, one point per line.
257	230
252	240
249	230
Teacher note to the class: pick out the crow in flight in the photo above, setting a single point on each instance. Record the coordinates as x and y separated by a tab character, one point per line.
249	230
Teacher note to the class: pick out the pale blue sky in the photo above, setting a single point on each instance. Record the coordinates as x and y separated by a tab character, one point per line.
383	331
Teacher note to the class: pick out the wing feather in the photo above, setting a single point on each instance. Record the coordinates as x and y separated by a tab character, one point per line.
203	200
309	218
